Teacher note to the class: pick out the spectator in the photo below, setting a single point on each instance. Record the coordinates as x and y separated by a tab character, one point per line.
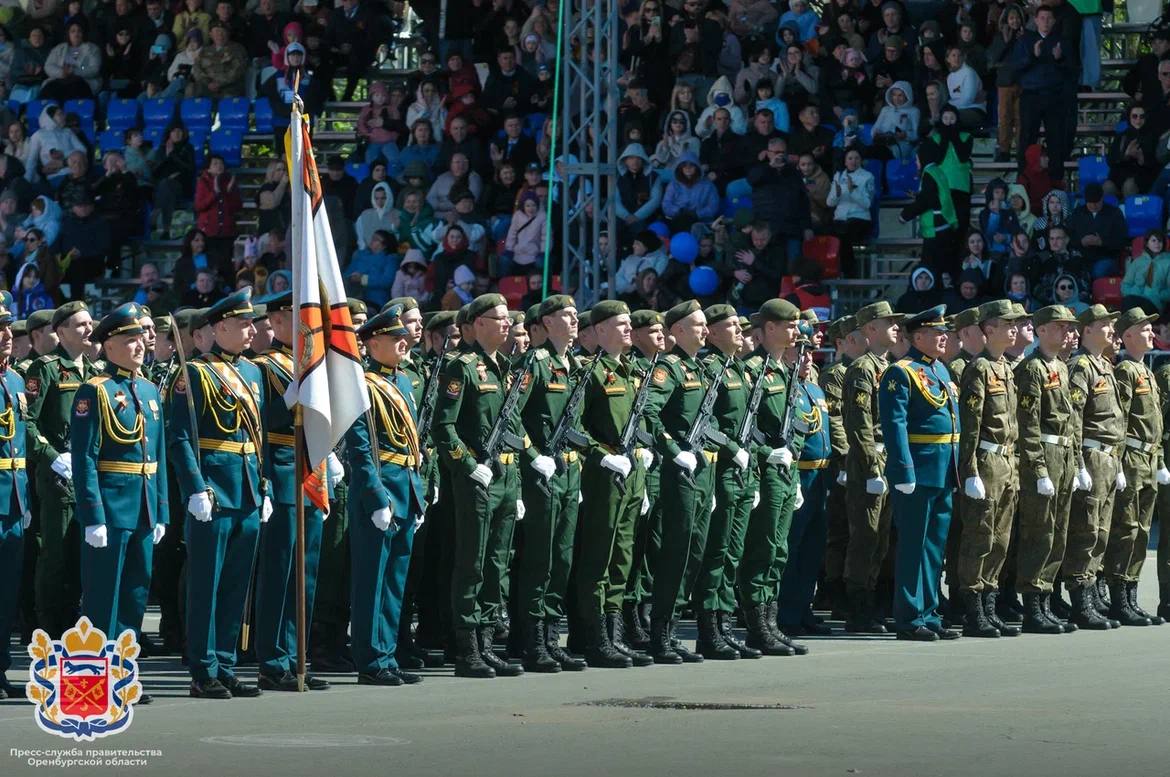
683	99
452	253
816	183
894	65
639	194
1001	59
219	70
809	136
1056	213
1141	82
371	271
16	141
291	33
29	291
750	18
846	84
380	124
77	179
1021	205
721	152
1059	260
780	199
378	174
526	238
689	197
180	71
217	203
155	20
502	197
458	176
805	19
466	217
1047	79
647	253
339	184
421	148
514	146
677	140
38	253
27	73
414	219
969	294
353	32
279	90
998	221
799	77
757	70
935	210
119	204
980	259
50	145
428	106
922	294
896	127
851	196
45	217
411	278
206	291
1098	229
954	154
759	262
965	90
1147	276
508	88
191	17
281	280
73	68
1133	160
462	289
934	99
458	140
720	96
84	244
1066	292
192	258
1016	290
380	216
124	64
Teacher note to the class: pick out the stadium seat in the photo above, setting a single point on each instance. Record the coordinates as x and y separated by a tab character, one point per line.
514	287
787	286
1091	169
874	166
738	188
110	140
158	113
533	124
1137	246
228	143
262	114
85	111
901	178
1143	213
195	113
826	251
865	134
736	204
554	283
32	112
1107	291
359	170
154	135
198	140
233	113
122	114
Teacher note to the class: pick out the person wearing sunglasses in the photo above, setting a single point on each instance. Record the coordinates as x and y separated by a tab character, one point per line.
1133	161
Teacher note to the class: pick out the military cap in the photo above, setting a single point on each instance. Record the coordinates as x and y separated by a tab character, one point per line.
1053	314
483	303
931	318
640	319
20	328
1133	317
6	299
720	312
584	319
804	333
681	311
440	320
757	321
874	311
554	304
516	317
162	324
125	319
65	311
846	325
260	310
199	319
6	317
386	322
998	308
532	315
182	318
832	329
461	317
810	315
39	318
356	306
407	303
745	324
145	312
607	309
276	302
776	310
966	318
1095	313
1021	310
235	305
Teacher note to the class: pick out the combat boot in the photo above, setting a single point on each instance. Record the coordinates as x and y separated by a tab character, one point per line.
552	641
1099	605
501	667
468	662
635	635
989	599
660	648
601	652
838	599
723	623
1131	595
1084	614
1067	626
760	637
1034	620
1120	609
1057	605
1104	599
1007	606
617	638
861	619
1164	601
536	657
772	609
685	653
976	624
710	643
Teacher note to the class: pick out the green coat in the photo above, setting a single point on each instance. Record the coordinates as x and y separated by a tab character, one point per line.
471	393
51	384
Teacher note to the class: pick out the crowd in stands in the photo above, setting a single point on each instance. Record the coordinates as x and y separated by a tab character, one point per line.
757	139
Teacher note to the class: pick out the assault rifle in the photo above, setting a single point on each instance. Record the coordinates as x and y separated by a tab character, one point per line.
786	420
632	434
701	430
430	394
499	436
565	433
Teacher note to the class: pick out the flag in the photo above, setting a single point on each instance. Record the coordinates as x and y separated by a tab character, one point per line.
329	382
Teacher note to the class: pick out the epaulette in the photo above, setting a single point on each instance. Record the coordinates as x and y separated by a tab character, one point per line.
98	380
1081	360
754	361
471	357
48	358
541	354
671	358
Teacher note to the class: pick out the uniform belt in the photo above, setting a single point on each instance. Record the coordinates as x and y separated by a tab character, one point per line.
503	458
1056	439
129	467
227	446
933	439
995	447
1136	444
569	456
710	456
401	459
879	447
7	464
1096	445
812	464
275	438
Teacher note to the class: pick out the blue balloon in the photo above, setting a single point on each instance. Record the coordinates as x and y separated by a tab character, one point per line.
684	247
704	281
736	204
659	228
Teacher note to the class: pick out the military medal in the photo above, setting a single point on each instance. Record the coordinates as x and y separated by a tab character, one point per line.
120	399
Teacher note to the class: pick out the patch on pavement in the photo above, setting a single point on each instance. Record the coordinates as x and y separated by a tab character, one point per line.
670	703
304	740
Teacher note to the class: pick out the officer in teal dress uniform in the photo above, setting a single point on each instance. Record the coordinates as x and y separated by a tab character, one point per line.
385	502
276	583
119	474
217	459
15	515
918	405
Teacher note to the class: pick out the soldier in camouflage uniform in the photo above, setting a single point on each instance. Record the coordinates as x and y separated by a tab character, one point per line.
842	333
1162	379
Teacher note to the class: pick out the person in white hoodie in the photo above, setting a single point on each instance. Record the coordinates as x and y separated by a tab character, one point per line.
51	145
896	127
720	96
965	90
380	215
851	196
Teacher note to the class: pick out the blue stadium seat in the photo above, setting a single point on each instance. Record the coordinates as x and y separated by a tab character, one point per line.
262	113
533	124
32	112
198	139
874	166
737	203
110	140
158	113
865	133
1091	169
154	135
122	113
359	170
195	113
1143	213
901	178
738	188
85	111
228	143
233	113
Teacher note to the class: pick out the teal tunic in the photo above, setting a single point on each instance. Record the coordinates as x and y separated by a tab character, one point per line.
13	501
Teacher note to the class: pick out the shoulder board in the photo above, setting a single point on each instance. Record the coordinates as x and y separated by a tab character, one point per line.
754	361
671	358
471	357
98	380
904	362
541	354
1081	361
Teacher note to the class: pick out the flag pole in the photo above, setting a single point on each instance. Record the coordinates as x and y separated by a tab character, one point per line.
296	125
299	435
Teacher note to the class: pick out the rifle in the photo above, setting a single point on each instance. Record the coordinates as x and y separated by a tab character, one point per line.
430	394
785	435
499	436
701	432
632	434
747	432
564	433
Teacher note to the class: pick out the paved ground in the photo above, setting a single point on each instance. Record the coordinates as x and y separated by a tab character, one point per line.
1083	704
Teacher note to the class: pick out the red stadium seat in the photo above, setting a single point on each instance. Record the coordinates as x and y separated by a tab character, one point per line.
826	251
1107	291
1138	245
787	285
514	287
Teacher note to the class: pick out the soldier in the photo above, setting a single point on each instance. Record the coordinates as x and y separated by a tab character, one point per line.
386	502
1048	466
21	346
517	342
119	447
16	515
586	338
987	470
536	333
216	437
869	513
971	341
471	394
1143	470
919	410
262	341
51	383
1098	440
42	338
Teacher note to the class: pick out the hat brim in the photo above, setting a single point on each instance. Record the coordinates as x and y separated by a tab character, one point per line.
1143	320
1095	319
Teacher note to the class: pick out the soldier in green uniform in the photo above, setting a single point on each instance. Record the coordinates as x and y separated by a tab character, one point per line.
119	448
21	346
848	344
42	338
1048	467
536	334
919	411
869	512
51	383
1143	470
586	337
471	395
987	395
1097	442
216	436
971	341
16	516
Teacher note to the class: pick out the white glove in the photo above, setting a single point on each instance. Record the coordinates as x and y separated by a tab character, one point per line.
875	486
435	493
382	518
905	488
842	478
1045	487
780	456
199	505
686	460
799	498
741	459
545	466
646	456
95	536
26	521
63	466
333	470
645	503
755	500
616	463
519	509
157	533
482	474
1083	482
1163	476
422	518
266	509
973	487
1121	484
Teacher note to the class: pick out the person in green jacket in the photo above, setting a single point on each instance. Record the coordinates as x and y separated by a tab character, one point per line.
1147	276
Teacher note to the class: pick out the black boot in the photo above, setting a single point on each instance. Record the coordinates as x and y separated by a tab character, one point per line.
1099	604
1007	606
839	599
773	608
1102	594
976	624
468	662
989	599
617	637
1068	627
536	657
660	648
552	641
1164	601
1120	609
811	624
723	623
645	610
710	643
636	636
685	653
760	637
601	653
1058	606
1034	620
1084	613
861	618
1131	594
501	667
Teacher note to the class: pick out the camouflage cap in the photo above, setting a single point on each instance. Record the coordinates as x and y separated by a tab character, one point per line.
966	318
720	312
640	319
777	310
681	311
1131	318
62	314
998	308
607	309
1095	313
874	311
1053	314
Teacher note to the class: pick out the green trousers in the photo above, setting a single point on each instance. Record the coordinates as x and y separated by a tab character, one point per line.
606	538
58	580
1133	512
484	521
754	575
987	524
276	587
435	622
331	603
735	490
1089	519
647	540
1163	512
1043	522
838	528
115	580
686	513
550	521
869	529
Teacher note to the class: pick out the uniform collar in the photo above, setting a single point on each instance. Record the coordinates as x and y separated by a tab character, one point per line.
114	371
280	347
919	356
384	369
230	358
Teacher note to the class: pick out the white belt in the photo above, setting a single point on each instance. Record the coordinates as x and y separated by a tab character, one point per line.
1096	445
1055	439
1144	447
994	447
879	447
